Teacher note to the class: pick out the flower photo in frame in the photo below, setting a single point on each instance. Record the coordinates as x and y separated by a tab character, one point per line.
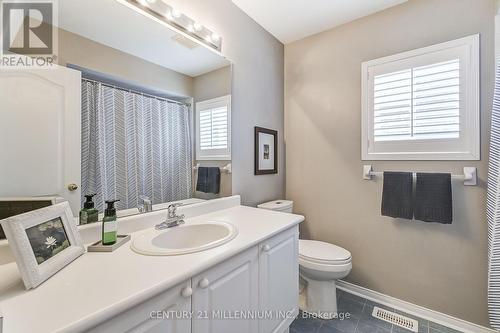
43	241
266	151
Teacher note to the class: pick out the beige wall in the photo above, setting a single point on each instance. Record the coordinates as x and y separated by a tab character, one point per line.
77	50
207	86
441	267
214	84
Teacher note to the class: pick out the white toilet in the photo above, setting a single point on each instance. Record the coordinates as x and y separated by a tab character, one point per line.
320	264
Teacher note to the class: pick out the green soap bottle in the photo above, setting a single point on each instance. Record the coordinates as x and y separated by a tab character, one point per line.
109	224
89	214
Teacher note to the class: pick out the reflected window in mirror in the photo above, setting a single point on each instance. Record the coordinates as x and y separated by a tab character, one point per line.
213	129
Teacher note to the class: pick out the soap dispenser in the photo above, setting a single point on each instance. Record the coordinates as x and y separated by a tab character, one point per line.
109	224
89	214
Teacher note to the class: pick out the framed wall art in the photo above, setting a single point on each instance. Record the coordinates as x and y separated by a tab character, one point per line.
266	151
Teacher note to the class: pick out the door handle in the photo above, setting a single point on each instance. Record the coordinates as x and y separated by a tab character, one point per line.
72	187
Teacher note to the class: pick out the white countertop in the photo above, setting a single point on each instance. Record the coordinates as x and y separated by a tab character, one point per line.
98	286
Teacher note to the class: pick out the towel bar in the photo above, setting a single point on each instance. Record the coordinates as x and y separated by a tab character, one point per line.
227	169
469	177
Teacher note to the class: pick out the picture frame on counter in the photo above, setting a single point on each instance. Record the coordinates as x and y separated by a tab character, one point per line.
10	206
43	241
266	151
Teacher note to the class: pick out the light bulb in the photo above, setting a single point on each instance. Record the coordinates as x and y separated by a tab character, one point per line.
142	2
197	26
168	15
176	13
208	39
215	37
190	28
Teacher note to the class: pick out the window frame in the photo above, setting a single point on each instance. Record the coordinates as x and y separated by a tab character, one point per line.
213	154
467	147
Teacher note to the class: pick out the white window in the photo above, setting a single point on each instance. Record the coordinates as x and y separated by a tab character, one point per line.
423	104
213	124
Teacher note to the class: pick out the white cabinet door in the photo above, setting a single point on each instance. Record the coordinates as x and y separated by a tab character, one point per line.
168	312
279	281
225	292
40	115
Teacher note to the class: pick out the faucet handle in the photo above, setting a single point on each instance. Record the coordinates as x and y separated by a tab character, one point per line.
172	209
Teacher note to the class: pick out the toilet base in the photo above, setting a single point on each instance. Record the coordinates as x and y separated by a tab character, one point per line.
319	298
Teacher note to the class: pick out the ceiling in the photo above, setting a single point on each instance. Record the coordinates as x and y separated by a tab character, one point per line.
113	24
291	20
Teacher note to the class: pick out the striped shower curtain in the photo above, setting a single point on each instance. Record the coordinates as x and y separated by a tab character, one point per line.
493	212
133	145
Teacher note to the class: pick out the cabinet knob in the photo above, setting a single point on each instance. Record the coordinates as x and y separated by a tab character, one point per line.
266	248
72	187
204	283
187	292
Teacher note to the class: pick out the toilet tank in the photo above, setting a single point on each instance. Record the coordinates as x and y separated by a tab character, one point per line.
285	206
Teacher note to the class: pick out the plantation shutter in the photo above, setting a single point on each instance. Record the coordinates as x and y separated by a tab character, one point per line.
418	103
214	128
213	136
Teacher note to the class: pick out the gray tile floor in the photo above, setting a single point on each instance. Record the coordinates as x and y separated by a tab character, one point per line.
360	321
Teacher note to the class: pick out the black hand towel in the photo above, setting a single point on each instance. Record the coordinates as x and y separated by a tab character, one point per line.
397	195
208	180
433	198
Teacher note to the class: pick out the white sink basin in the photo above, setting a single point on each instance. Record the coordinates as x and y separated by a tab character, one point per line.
186	238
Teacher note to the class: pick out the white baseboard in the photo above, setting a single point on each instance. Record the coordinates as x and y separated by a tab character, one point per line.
416	310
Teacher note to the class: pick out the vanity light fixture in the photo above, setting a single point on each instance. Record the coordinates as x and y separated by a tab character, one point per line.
171	17
176	13
168	15
197	26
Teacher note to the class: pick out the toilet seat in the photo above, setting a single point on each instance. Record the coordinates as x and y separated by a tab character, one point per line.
322	253
324	262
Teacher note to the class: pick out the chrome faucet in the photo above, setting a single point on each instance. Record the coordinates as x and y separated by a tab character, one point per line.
145	204
173	220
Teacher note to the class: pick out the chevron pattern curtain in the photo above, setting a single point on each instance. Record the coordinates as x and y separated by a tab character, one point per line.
133	145
493	212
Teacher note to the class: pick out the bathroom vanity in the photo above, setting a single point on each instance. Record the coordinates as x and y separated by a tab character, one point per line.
249	284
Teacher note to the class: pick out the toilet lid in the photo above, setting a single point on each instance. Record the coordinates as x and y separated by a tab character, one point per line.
322	251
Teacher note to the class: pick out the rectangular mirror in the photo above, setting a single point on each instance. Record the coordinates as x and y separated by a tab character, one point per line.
117	117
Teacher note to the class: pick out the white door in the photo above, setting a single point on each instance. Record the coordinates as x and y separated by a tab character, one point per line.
226	292
279	281
40	121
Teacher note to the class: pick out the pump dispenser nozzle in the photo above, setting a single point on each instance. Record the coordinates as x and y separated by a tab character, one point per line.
89	203
110	210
